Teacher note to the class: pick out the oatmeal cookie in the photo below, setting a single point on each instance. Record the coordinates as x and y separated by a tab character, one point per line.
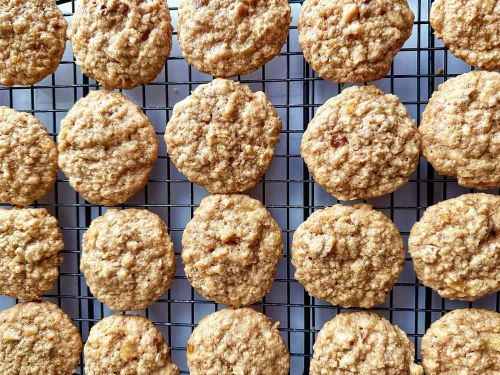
464	341
230	249
38	338
361	144
470	29
460	129
121	43
222	136
225	38
32	40
128	258
455	247
348	255
28	158
107	148
30	245
127	344
241	341
353	40
363	343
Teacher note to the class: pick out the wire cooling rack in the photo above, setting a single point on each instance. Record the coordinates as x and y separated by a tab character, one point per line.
287	189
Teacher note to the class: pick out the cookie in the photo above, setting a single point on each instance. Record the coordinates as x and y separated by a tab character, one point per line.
455	247
230	249
121	43
28	158
348	255
107	148
128	258
460	129
361	144
225	38
127	344
32	40
470	30
241	341
464	341
30	245
363	343
222	136
353	40
38	338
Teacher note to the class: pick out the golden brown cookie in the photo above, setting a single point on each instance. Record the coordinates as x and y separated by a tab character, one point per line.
121	43
361	144
32	40
225	38
127	344
470	29
363	343
465	341
353	40
30	245
38	338
455	247
348	255
460	129
107	148
230	249
128	258
222	136
28	158
241	341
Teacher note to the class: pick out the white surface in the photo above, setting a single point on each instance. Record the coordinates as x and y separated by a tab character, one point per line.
172	200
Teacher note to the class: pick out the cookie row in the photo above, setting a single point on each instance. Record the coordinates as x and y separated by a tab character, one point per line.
360	144
122	44
244	341
350	256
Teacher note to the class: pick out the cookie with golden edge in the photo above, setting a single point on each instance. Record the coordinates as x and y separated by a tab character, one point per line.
241	341
32	40
455	246
464	341
30	252
107	148
128	258
38	338
28	158
121	43
127	344
226	38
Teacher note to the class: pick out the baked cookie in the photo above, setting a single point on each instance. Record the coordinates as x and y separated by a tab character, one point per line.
361	144
225	38
241	341
363	343
460	129
230	249
121	43
38	338
128	258
30	245
348	255
465	341
127	344
353	40
28	158
455	247
470	29
107	148
32	40
222	136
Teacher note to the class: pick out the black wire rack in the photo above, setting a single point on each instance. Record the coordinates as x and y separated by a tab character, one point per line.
287	189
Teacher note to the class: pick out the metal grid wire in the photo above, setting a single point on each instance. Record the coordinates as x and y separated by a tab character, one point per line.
287	189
